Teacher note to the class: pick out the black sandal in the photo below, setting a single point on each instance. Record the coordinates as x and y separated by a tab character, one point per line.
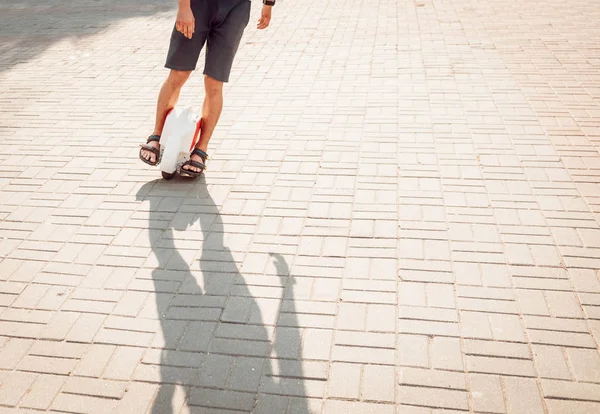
189	173
155	151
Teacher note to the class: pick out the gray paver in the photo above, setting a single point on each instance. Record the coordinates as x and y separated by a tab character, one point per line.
401	213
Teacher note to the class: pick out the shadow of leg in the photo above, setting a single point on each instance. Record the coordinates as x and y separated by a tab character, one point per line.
169	358
217	336
282	387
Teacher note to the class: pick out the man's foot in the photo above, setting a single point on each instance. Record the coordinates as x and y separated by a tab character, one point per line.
150	151
196	164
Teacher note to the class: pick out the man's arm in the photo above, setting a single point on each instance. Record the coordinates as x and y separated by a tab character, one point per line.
185	19
265	15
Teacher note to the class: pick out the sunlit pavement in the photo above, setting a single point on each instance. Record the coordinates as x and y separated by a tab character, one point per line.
401	213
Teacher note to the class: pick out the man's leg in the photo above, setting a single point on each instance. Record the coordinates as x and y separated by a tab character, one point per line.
167	99
222	44
211	111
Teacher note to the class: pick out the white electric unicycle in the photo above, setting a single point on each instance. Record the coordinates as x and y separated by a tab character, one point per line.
179	136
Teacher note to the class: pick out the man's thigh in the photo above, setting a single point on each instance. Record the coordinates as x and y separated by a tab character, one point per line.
224	39
183	52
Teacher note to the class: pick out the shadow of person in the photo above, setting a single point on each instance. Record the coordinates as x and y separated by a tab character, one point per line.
221	348
29	27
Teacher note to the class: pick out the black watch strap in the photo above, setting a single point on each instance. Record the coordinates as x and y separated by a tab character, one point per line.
269	2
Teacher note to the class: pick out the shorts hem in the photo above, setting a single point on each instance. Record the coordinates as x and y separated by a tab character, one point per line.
180	68
223	79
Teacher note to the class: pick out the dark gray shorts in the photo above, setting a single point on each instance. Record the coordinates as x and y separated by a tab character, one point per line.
218	23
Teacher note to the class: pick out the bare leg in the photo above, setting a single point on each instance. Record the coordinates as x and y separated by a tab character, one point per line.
167	99
211	111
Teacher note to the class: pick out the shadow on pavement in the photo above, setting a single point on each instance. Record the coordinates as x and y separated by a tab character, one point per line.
29	27
218	344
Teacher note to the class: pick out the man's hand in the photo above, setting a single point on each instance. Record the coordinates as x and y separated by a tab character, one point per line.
265	17
185	21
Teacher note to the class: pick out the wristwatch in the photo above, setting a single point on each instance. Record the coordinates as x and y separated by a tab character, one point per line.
269	2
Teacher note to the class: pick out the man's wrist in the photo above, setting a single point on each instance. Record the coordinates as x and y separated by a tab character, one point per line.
269	2
184	3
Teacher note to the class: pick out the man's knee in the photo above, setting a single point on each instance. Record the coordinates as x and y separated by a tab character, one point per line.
212	86
177	78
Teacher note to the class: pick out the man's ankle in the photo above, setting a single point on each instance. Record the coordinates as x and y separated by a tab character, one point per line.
202	148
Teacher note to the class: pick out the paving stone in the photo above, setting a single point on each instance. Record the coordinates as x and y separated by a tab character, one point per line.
486	393
21	330
428	313
551	362
164	374
367	339
60	326
488	306
12	351
271	403
496	348
215	371
84	329
111	336
475	325
352	316
335	407
432	378
569	339
413	350
358	354
93	363
94	387
585	364
82	403
168	398
197	337
123	362
522	396
317	344
293	387
58	349
563	304
439	215
412	294
435	398
246	374
518	367
14	386
570	390
239	347
378	383
42	392
585	280
48	365
446	354
555	324
507	328
344	381
428	328
575	407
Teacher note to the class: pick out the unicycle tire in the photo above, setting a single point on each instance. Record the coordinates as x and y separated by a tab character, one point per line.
167	176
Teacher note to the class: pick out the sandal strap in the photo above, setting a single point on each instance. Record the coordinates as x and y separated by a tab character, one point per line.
195	164
153	138
150	148
200	153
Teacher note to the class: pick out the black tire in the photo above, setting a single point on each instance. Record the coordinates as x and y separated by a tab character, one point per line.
167	176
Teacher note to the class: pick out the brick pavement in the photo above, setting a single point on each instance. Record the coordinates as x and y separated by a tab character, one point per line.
401	213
